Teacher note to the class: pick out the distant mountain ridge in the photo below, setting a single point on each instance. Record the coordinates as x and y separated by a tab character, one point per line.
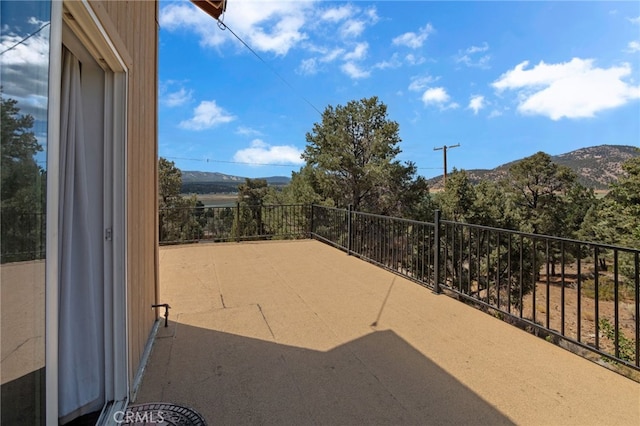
197	182
597	166
189	176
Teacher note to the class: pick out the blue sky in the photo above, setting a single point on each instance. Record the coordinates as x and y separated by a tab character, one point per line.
502	79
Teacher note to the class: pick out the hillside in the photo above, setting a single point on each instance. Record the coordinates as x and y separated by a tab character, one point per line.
189	176
196	182
596	166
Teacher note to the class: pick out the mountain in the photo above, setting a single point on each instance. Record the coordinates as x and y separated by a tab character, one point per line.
189	176
196	182
596	166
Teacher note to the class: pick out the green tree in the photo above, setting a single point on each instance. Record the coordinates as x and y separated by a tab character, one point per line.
625	195
578	200
251	196
352	153
169	182
252	191
22	186
615	219
304	188
547	199
458	197
491	208
178	215
535	186
478	260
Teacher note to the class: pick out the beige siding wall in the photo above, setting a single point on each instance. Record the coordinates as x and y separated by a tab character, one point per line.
137	28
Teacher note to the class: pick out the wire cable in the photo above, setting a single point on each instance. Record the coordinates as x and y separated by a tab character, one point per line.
209	160
25	39
224	27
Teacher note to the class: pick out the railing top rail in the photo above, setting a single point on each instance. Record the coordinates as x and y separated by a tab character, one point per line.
398	219
329	208
232	206
543	236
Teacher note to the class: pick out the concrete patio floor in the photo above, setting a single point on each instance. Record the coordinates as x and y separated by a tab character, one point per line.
297	332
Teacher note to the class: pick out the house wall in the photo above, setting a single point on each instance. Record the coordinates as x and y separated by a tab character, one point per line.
136	25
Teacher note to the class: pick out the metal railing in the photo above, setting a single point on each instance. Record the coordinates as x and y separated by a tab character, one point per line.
579	293
583	295
22	235
238	223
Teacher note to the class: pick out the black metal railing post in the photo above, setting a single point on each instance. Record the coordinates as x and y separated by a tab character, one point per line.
311	222
237	221
436	252
349	228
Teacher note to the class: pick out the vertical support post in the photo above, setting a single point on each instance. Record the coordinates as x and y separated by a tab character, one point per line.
311	222
349	229
637	293
436	253
237	221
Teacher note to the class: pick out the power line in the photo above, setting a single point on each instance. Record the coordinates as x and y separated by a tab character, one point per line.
209	160
25	39
224	26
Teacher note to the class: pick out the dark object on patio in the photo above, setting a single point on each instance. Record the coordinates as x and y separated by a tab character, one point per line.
162	413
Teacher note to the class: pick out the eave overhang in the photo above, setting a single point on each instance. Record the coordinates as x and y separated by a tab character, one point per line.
214	8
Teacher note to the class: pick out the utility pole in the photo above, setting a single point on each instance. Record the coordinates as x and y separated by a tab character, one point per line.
444	150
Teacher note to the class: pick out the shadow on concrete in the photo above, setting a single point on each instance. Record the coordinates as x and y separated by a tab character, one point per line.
23	400
375	379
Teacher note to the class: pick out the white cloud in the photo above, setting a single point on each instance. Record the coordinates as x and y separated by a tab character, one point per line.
436	95
476	103
633	46
261	153
272	26
207	115
392	63
372	14
412	39
495	113
354	71
476	49
308	67
470	58
247	131
332	55
418	84
635	21
352	28
358	53
286	34
24	62
177	98
411	59
337	14
439	97
574	89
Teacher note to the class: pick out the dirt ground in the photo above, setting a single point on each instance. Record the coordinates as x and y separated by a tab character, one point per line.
587	306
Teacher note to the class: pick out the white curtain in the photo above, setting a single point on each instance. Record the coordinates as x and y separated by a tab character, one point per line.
81	328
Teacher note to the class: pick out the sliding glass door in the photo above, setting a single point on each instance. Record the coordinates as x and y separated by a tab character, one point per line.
24	80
